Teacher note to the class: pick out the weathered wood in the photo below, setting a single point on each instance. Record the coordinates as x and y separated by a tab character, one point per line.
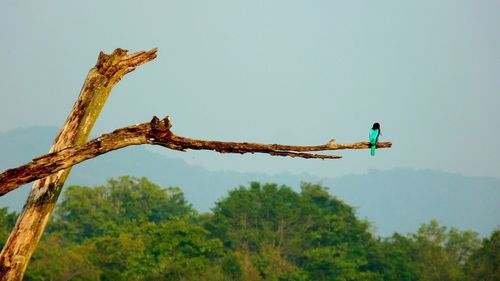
155	133
33	219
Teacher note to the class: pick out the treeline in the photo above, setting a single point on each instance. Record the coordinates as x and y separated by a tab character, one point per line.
131	229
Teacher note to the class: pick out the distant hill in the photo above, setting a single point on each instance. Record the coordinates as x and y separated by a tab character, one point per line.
401	199
393	200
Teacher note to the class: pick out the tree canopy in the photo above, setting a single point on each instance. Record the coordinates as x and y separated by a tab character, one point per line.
132	229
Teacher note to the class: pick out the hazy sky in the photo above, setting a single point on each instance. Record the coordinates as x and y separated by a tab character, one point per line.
293	72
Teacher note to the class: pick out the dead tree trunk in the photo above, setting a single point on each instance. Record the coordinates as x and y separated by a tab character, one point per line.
33	219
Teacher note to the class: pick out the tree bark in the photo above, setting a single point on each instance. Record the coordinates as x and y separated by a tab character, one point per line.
36	212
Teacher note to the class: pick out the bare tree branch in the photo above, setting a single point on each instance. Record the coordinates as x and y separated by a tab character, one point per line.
155	132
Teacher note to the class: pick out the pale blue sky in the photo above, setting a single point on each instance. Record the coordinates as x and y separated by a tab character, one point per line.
293	72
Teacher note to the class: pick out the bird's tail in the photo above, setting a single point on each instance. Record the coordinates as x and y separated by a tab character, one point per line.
372	149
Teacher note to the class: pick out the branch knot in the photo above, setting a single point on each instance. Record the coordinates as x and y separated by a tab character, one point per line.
160	130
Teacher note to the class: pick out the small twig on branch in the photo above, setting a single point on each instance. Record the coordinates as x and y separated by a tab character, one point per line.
155	132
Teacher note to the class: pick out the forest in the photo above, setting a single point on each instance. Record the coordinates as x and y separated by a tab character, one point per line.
133	229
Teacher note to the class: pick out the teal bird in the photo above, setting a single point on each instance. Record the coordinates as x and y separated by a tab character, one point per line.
374	134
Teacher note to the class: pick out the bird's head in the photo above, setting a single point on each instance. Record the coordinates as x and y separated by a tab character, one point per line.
376	126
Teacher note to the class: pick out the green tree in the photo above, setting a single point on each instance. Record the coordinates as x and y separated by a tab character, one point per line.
336	244
260	214
395	258
129	229
7	221
180	250
120	256
461	244
442	253
260	224
57	258
308	235
87	212
484	263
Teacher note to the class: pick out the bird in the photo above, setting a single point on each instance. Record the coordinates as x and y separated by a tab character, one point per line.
374	134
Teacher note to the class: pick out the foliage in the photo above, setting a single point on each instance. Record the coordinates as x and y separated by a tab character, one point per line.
441	253
395	258
89	212
7	221
283	232
132	229
484	263
59	259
